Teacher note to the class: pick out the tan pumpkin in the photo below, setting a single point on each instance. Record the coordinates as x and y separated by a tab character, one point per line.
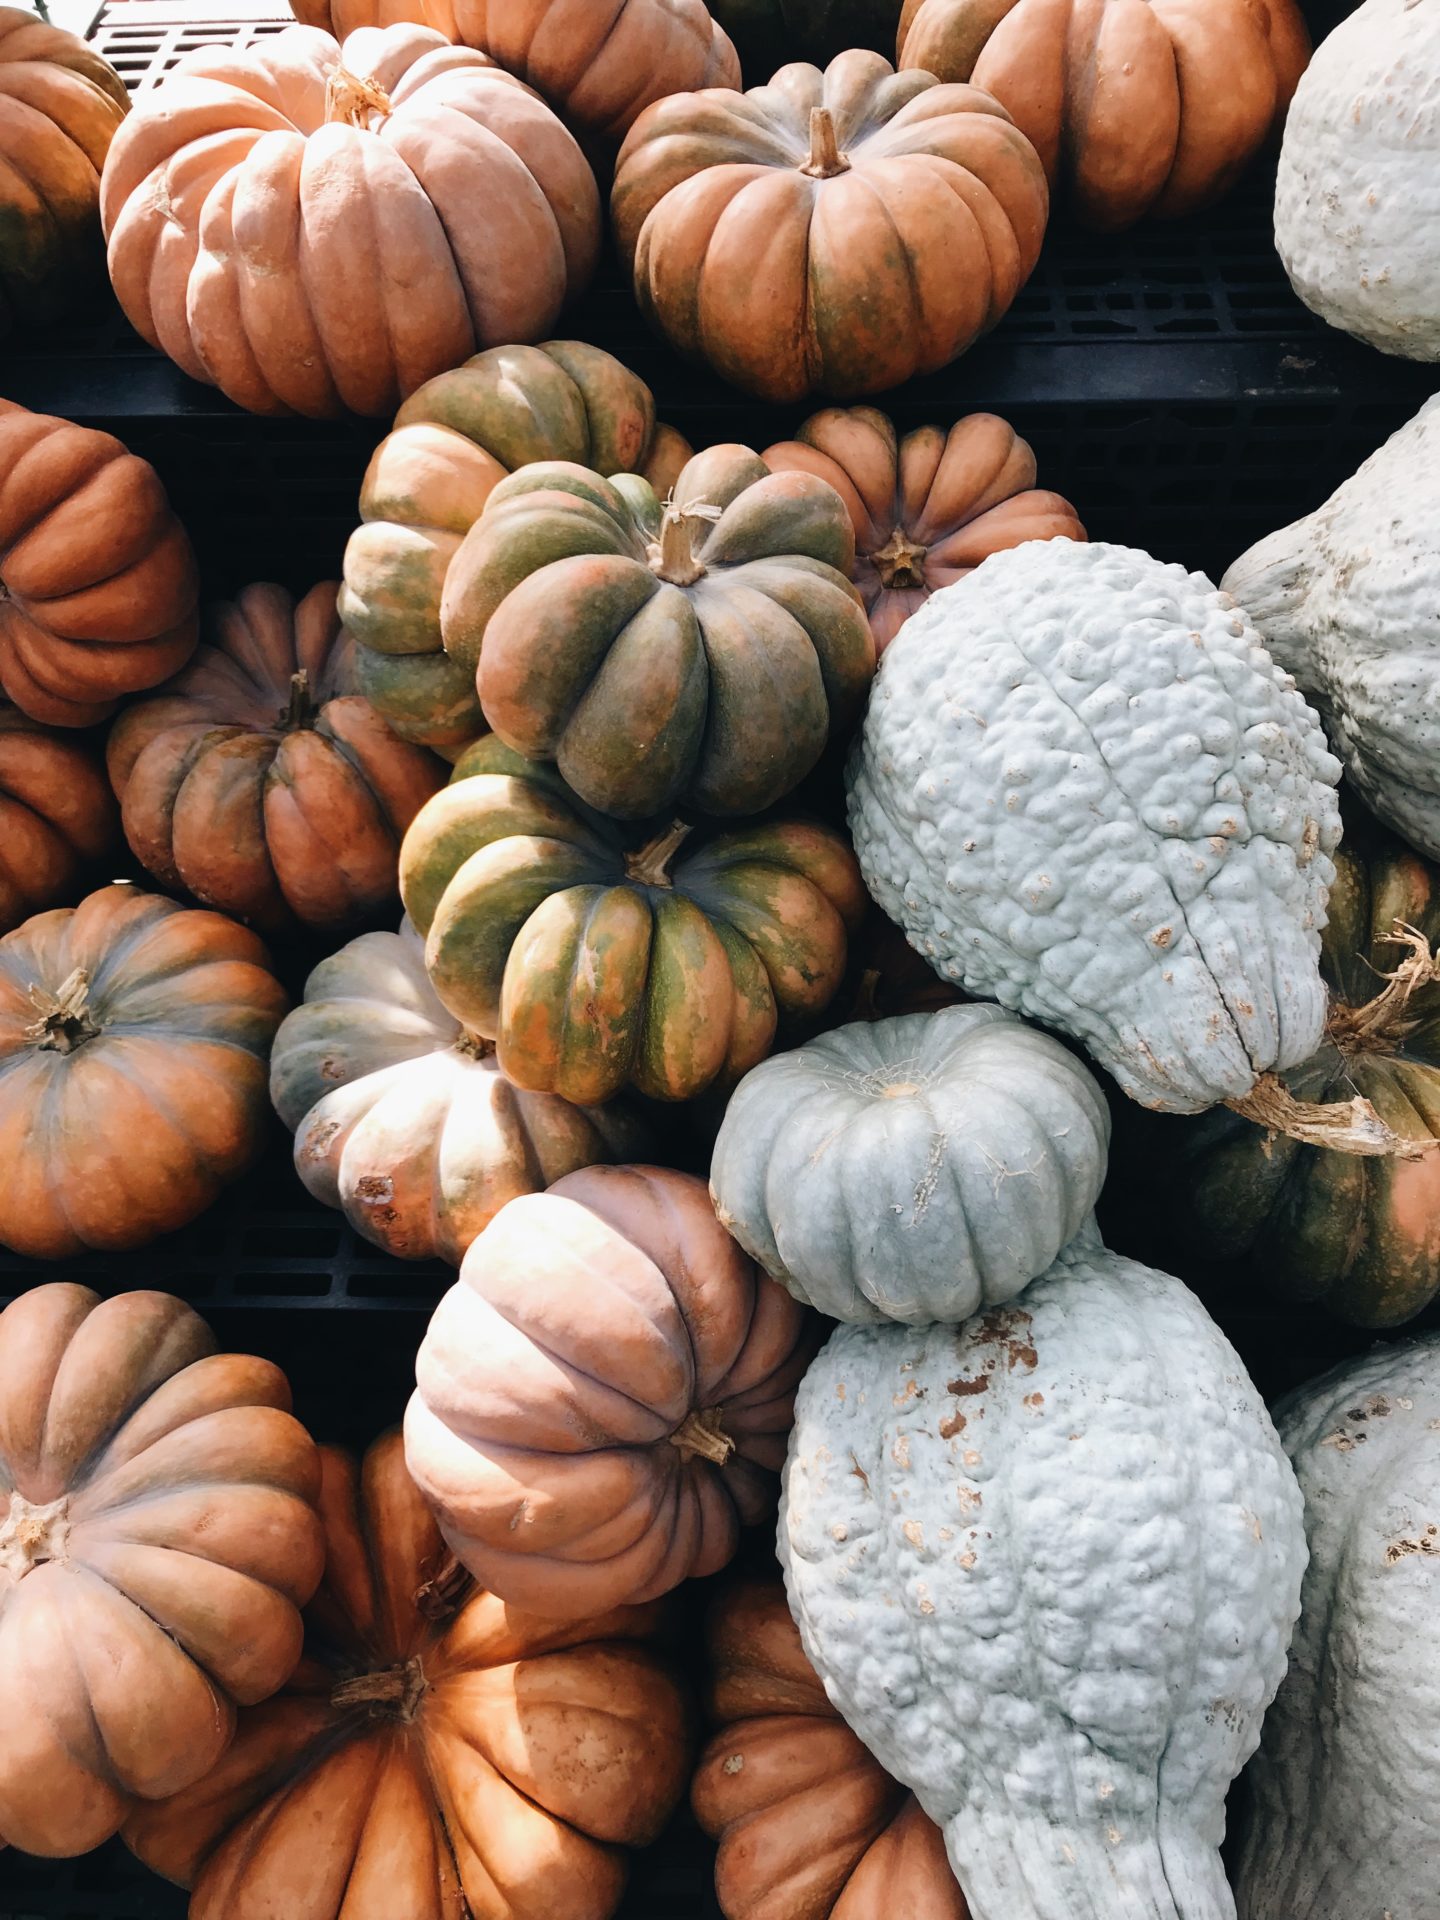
344	17
60	104
427	483
1136	107
838	232
157	1537
57	815
928	508
133	1040
809	1825
260	779
98	584
312	231
603	1397
600	63
404	1120
438	1755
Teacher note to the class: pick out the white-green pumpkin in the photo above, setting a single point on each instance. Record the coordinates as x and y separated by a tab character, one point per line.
1047	1565
1345	1790
912	1169
1085	790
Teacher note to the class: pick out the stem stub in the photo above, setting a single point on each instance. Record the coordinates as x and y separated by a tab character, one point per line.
826	159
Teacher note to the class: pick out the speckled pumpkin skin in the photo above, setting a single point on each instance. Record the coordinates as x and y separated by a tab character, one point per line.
1357	195
1345	1790
1047	1565
1085	790
1345	601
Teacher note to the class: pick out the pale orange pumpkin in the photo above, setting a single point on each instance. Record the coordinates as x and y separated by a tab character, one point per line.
157	1538
57	815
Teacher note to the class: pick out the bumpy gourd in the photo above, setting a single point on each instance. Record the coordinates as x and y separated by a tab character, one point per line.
1047	1565
1345	1790
914	1169
1345	600
1357	195
1085	790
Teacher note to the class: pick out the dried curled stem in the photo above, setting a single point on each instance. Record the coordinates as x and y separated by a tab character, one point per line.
1345	1126
1382	1023
355	99
703	1433
65	1021
393	1693
649	866
672	557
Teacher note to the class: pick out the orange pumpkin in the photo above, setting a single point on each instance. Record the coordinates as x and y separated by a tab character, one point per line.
311	230
344	17
600	63
1135	106
810	1826
438	1755
98	586
60	104
926	509
603	1397
133	1040
839	231
261	781
157	1537
57	815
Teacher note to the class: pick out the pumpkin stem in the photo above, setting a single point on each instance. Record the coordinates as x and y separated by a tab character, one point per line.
1382	1023
393	1693
650	865
900	562
473	1045
867	996
355	100
826	159
301	711
672	556
30	1534
704	1433
1346	1126
65	1021
439	1597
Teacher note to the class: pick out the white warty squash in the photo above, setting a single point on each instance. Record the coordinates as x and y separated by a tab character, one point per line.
1345	1815
1047	1565
1085	790
1348	601
1357	196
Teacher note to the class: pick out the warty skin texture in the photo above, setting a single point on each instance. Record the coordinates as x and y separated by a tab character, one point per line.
1086	791
1357	195
1047	1565
1345	1814
1348	601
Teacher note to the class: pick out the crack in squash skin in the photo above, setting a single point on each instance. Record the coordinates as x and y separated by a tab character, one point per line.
538	936
453	442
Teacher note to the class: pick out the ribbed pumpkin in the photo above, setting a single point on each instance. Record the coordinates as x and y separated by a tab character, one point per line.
344	17
60	104
809	1825
157	1535
1360	1236
1136	107
133	1040
437	1755
767	33
928	508
57	815
98	585
313	231
836	232
595	958
600	62
261	781
404	1120
427	483
699	652
603	1397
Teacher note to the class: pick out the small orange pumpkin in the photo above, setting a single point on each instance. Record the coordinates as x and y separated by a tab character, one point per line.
57	815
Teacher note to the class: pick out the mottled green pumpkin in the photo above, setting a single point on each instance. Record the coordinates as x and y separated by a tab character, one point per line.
768	33
1361	1236
453	441
698	653
596	956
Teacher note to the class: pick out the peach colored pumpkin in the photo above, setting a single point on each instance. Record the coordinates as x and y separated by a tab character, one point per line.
133	1040
98	584
1135	106
157	1538
57	815
344	17
313	230
262	781
438	1755
928	508
809	1825
603	1398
